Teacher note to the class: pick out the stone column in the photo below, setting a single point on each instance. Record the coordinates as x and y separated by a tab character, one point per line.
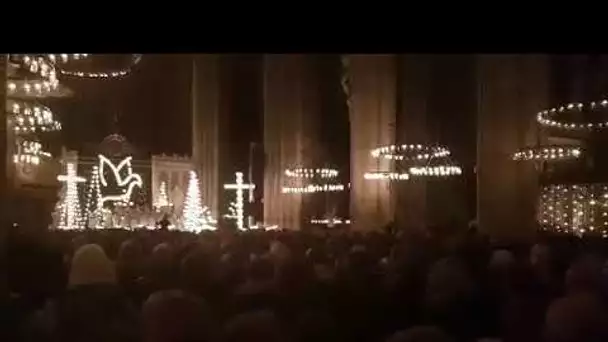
372	123
4	164
291	113
413	85
206	127
511	89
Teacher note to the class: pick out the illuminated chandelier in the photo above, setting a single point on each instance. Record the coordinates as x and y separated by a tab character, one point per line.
321	174
31	78
103	74
554	117
421	161
548	153
579	209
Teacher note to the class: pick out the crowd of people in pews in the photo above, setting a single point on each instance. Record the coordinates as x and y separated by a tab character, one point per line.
443	284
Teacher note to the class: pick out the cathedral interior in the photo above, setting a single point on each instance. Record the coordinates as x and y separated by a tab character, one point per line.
266	115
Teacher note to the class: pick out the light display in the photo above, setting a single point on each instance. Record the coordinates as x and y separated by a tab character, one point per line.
70	206
386	176
440	171
422	161
93	200
238	210
26	118
128	183
330	222
29	152
574	208
30	78
410	152
311	173
163	199
550	117
312	188
195	217
135	59
559	152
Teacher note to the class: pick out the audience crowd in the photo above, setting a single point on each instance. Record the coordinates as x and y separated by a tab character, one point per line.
320	285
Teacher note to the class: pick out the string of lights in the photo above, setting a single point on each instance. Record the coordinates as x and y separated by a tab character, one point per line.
29	152
25	115
577	209
311	173
410	152
552	117
553	153
135	59
329	222
440	171
386	176
26	118
93	200
130	181
70	214
237	208
312	188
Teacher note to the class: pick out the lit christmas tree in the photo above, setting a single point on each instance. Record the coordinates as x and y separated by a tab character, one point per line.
70	207
195	217
93	214
163	199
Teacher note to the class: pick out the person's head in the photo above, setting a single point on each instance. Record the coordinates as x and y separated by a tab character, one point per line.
501	260
578	317
448	282
90	265
584	274
420	334
255	326
539	255
196	270
176	316
128	261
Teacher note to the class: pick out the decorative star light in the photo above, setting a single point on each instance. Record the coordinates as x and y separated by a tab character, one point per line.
130	181
239	186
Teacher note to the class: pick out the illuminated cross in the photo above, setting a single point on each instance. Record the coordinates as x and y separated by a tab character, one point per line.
71	208
239	186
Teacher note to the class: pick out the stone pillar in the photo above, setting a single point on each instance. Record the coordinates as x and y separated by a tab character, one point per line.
4	163
511	89
372	123
451	122
413	85
291	113
207	127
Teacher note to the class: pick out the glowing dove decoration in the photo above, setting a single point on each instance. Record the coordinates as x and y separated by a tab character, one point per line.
128	182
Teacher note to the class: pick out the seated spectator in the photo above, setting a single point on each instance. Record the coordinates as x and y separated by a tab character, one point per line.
256	326
420	334
578	317
176	316
92	309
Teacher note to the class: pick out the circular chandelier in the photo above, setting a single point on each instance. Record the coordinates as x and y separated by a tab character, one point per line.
410	152
421	160
438	171
548	153
311	173
330	222
321	174
29	152
27	118
386	175
312	188
134	60
31	77
551	117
